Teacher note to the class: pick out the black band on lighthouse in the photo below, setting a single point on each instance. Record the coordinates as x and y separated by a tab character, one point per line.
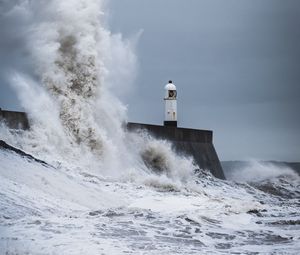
170	123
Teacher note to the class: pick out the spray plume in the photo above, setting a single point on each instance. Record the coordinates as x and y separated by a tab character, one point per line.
76	65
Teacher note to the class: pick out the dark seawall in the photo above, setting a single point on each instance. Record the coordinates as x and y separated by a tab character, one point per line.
190	142
14	120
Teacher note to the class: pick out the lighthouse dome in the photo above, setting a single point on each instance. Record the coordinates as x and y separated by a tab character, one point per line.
170	91
170	86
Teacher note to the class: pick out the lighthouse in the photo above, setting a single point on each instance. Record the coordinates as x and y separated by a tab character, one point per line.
170	105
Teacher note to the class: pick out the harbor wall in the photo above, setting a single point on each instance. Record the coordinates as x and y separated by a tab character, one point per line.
188	142
14	120
185	141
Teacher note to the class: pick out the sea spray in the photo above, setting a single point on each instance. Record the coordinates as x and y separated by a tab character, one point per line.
257	171
69	91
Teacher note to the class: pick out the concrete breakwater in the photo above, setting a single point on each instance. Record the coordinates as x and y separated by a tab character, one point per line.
189	142
14	120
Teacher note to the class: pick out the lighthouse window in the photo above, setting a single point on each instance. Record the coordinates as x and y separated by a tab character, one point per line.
172	93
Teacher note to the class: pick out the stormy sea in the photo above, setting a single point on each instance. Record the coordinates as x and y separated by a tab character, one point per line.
77	182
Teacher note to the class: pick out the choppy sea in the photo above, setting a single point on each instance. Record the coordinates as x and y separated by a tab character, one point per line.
46	209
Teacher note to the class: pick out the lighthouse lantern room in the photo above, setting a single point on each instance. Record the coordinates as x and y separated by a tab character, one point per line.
170	105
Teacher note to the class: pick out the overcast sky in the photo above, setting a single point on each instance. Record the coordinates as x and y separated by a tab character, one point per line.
236	65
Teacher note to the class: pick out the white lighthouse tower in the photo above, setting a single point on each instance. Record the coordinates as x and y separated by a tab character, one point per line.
170	105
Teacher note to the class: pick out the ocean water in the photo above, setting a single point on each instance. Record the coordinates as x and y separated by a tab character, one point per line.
49	209
96	194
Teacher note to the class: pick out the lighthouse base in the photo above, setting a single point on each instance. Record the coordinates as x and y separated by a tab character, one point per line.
170	123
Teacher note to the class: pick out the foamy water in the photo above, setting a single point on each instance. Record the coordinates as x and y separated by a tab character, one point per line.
101	192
